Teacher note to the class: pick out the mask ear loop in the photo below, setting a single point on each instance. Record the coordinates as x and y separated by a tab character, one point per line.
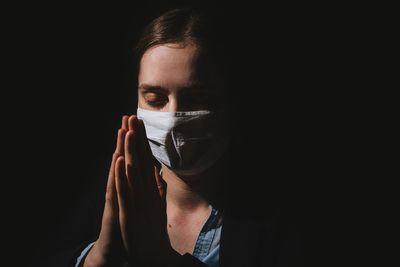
175	140
157	164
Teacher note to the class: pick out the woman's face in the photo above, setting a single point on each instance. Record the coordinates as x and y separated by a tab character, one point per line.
176	77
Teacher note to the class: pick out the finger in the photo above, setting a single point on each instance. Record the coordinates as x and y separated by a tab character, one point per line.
132	122
131	163
132	157
125	123
111	201
110	231
125	201
121	135
130	140
146	159
122	186
110	189
119	149
110	214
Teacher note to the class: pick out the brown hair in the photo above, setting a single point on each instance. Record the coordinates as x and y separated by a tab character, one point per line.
185	25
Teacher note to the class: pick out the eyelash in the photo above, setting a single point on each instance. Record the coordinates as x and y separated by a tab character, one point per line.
155	103
198	103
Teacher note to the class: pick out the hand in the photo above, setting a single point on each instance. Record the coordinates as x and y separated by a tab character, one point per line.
134	218
141	202
108	249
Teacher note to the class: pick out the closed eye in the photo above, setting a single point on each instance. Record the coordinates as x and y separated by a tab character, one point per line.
154	99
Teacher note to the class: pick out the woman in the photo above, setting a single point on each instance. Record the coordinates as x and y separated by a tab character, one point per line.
162	206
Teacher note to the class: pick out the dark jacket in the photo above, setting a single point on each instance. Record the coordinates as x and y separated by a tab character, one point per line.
245	242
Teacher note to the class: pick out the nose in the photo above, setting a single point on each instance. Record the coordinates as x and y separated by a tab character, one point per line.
172	104
175	104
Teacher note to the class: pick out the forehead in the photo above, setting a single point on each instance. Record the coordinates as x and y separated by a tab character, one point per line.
169	65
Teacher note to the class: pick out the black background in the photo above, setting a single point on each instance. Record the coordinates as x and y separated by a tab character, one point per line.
72	79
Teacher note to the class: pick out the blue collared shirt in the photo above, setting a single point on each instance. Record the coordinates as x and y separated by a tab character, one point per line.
207	244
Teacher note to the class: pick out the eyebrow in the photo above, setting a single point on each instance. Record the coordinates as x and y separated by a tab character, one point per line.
152	88
156	88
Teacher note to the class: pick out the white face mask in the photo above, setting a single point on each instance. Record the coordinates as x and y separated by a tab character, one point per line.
186	142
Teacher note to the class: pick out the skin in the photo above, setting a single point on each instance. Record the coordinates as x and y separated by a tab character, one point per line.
178	77
146	215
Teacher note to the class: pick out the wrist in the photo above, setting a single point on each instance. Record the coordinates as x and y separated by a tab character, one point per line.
93	260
